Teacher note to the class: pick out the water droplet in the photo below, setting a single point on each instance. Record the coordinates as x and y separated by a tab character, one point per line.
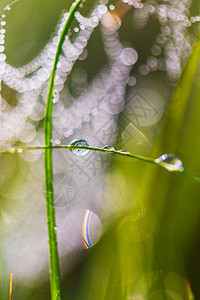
170	162
3	23
2	57
108	147
57	142
123	151
79	152
91	229
19	150
11	149
111	7
2	48
76	29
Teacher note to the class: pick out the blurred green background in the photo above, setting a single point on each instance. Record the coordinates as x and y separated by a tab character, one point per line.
150	248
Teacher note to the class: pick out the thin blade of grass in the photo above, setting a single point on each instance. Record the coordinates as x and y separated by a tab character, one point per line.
170	134
53	251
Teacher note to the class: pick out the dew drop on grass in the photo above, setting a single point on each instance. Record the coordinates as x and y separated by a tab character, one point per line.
123	151
111	7
108	147
91	229
79	152
19	150
57	142
76	29
11	149
170	162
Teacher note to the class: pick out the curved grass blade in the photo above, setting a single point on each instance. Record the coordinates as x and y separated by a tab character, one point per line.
53	251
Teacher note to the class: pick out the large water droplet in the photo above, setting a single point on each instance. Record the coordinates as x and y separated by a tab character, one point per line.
170	162
79	152
108	147
91	229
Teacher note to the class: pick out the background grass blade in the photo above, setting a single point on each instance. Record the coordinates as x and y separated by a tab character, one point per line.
53	251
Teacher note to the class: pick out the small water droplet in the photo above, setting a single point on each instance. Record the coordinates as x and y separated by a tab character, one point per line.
11	149
19	150
2	57
108	147
170	162
91	229
57	142
76	29
3	23
79	152
111	7
123	151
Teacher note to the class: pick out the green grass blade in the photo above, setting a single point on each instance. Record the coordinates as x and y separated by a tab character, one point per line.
171	131
53	251
122	153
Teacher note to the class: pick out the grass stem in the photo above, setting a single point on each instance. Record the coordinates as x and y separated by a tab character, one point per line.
115	152
48	164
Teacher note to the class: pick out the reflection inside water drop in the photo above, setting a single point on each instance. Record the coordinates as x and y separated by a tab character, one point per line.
79	152
170	162
91	229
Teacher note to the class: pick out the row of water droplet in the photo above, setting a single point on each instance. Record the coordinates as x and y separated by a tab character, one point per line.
169	161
